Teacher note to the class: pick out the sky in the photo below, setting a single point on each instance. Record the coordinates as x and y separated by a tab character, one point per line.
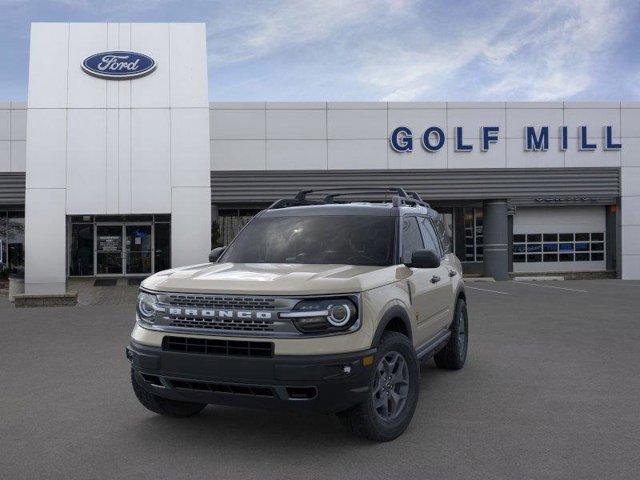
377	50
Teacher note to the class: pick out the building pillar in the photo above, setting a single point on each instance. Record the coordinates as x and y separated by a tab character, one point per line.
45	241
190	226
496	239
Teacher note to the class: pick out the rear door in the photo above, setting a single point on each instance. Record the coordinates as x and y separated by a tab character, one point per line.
423	289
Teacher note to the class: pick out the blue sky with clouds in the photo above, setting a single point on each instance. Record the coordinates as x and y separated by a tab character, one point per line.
378	49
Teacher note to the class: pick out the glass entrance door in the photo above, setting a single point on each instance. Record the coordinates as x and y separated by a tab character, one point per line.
109	250
138	249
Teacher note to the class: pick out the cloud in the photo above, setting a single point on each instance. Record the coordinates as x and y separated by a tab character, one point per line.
547	50
408	50
260	29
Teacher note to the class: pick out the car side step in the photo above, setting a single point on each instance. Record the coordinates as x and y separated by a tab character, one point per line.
427	350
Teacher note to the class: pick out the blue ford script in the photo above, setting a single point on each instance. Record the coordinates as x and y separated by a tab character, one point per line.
118	65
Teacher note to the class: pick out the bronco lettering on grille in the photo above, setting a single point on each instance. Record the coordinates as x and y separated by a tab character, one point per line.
215	313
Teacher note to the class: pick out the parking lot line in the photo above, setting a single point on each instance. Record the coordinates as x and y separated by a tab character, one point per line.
486	290
552	286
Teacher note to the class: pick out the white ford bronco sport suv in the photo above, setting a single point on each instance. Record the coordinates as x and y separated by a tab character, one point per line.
324	305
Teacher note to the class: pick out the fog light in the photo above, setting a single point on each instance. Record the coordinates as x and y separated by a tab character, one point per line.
368	360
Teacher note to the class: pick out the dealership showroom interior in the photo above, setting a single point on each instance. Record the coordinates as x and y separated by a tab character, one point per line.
137	147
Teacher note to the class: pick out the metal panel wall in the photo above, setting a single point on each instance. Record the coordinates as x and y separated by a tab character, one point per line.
12	188
521	186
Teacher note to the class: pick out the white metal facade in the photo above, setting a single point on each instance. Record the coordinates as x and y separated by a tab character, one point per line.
96	146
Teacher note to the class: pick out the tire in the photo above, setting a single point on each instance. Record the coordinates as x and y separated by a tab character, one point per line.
402	387
164	406
454	354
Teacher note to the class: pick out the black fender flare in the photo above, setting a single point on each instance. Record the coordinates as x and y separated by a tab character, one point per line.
395	311
460	293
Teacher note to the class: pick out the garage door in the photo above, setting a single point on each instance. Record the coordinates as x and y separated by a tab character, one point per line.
559	239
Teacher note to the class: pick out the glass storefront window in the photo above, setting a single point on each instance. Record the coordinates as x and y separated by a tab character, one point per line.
473	238
15	242
81	251
228	224
132	245
4	267
138	248
163	246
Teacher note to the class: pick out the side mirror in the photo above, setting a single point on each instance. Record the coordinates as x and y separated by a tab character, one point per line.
424	259
215	254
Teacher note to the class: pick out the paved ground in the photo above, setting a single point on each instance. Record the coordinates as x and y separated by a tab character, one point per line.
551	390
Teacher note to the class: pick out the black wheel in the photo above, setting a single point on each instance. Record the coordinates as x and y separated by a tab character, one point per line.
393	392
164	406
454	354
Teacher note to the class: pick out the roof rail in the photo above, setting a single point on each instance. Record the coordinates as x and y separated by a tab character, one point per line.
400	196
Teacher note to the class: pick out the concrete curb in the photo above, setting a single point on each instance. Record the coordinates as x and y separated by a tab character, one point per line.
538	278
69	299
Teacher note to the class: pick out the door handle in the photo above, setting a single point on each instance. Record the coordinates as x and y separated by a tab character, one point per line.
435	279
452	273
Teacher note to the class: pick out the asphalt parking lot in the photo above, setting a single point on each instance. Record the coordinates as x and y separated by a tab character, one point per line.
551	391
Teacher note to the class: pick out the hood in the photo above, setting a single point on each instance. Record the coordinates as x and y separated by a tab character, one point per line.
271	278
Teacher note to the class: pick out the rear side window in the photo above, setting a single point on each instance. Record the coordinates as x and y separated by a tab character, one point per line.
430	238
411	238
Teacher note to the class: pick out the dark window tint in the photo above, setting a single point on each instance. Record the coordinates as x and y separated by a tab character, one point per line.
411	238
534	237
582	257
519	238
597	257
598	237
550	257
534	258
581	237
347	240
566	237
550	237
518	258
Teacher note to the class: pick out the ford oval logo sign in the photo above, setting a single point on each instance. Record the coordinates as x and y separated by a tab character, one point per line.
118	65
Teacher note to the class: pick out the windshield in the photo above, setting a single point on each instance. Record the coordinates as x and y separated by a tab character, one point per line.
331	239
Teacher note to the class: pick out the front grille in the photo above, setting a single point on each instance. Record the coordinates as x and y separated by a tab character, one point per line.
223	301
207	346
249	325
254	390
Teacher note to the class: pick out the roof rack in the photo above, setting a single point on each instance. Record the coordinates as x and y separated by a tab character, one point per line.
400	196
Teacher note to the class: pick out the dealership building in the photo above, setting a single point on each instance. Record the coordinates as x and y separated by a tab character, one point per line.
118	165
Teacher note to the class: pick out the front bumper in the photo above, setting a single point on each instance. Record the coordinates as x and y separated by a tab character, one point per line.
323	383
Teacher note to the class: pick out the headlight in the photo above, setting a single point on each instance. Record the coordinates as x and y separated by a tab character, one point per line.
146	306
324	315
